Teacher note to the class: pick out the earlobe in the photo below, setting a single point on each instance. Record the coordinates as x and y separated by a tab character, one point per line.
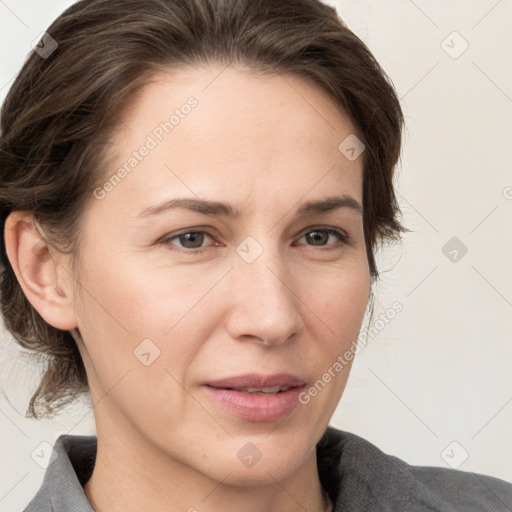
36	265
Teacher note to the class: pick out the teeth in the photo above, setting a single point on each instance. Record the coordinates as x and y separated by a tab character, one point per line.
273	389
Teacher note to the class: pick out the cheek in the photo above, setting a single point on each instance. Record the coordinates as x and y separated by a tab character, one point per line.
348	305
140	319
145	296
334	308
139	371
339	299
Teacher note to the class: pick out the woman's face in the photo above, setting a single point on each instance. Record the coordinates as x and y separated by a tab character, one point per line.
253	268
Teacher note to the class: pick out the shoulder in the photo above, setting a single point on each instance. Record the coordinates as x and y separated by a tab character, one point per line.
70	466
466	490
40	502
359	476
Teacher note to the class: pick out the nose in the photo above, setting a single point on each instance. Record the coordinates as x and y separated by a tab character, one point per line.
264	303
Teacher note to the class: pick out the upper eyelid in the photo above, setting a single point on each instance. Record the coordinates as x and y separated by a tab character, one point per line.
324	228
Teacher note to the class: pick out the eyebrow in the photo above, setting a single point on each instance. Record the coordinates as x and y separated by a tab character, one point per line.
217	208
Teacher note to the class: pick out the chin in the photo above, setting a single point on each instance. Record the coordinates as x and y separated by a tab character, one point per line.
262	473
261	459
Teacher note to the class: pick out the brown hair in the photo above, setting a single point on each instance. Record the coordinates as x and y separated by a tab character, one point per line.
63	105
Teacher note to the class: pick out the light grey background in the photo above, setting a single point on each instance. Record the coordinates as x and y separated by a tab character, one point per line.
434	386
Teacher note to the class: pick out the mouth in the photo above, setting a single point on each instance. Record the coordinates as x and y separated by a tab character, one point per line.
260	390
256	398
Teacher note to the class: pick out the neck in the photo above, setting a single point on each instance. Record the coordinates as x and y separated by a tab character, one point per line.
131	474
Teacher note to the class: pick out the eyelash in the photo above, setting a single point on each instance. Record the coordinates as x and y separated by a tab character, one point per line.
343	238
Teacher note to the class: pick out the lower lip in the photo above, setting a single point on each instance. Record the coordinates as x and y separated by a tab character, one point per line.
256	407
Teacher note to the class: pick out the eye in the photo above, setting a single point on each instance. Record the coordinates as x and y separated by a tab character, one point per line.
188	240
321	236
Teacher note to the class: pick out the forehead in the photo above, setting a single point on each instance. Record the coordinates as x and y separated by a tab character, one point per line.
240	95
214	130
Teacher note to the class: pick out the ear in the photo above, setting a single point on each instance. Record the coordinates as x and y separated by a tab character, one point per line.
41	271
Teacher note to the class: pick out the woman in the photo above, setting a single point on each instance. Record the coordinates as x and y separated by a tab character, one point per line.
192	197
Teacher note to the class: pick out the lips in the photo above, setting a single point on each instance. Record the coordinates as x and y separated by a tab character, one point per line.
257	382
256	398
257	403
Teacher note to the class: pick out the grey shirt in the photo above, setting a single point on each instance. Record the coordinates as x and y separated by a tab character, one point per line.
356	474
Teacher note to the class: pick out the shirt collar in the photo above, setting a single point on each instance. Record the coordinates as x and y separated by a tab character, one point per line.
71	466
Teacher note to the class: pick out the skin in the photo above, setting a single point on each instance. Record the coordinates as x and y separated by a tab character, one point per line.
265	145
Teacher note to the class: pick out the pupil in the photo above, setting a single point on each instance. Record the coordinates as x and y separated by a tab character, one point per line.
192	240
318	237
